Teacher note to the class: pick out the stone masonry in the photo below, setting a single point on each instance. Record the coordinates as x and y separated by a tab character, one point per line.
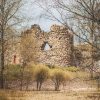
54	47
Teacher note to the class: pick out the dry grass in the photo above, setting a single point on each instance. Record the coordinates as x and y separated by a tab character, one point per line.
48	95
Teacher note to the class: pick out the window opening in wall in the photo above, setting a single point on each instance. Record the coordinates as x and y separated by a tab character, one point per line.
46	46
14	60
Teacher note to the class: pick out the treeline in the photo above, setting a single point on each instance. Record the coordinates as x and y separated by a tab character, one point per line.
20	77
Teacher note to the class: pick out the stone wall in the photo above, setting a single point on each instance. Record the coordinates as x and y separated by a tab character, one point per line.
54	47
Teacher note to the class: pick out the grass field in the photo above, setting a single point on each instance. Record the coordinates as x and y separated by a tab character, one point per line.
48	95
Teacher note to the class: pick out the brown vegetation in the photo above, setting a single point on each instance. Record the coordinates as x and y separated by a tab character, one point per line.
41	75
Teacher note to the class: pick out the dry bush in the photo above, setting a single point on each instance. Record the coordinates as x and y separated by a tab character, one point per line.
12	72
82	75
41	74
28	75
59	77
72	69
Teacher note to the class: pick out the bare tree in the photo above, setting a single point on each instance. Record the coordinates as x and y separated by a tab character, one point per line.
79	15
28	47
28	50
8	18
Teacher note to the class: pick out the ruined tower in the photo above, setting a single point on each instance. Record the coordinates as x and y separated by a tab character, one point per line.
54	47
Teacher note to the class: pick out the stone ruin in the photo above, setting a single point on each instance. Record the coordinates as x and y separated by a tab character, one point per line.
54	47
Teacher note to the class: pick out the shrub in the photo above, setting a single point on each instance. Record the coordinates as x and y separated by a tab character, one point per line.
72	69
28	75
82	75
41	74
59	76
12	72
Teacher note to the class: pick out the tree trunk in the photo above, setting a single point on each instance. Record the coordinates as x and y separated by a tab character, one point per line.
92	48
22	76
2	60
57	86
37	84
40	85
98	81
27	84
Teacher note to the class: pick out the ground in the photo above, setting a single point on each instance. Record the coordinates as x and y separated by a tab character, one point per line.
48	95
76	89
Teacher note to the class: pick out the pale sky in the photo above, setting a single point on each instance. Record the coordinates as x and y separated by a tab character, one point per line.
33	11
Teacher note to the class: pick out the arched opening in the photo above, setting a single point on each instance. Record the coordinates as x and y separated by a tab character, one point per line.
45	46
